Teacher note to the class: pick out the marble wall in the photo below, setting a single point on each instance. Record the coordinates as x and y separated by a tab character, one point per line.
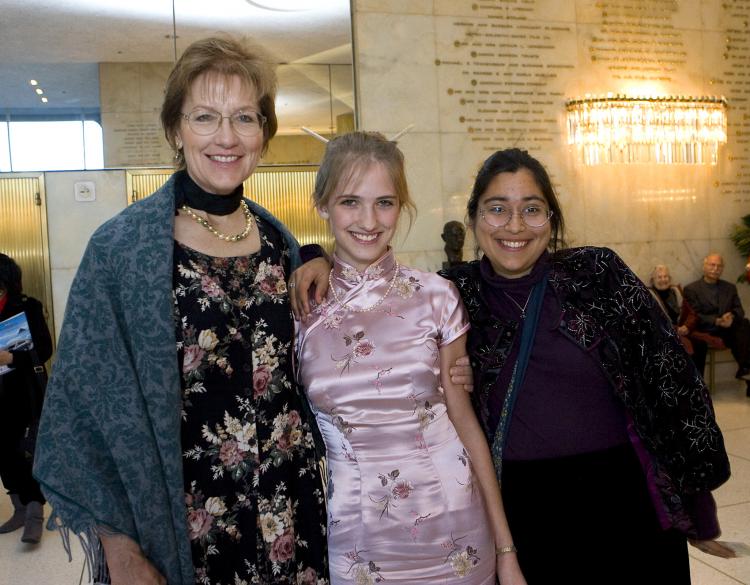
475	76
71	223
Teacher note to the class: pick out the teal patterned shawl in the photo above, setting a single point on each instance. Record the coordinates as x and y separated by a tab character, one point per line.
109	454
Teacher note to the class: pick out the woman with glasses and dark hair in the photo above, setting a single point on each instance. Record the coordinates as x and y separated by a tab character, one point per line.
601	429
21	395
174	434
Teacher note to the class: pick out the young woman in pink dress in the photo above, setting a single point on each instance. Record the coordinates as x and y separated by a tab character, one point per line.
412	493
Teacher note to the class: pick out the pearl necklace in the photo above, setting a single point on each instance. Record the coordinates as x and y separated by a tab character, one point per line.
371	307
227	238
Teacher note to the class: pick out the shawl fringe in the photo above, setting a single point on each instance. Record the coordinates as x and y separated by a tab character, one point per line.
94	560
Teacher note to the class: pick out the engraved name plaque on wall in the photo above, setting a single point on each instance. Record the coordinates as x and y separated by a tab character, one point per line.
732	78
503	73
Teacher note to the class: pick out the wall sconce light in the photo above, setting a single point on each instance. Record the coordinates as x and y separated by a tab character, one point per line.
657	129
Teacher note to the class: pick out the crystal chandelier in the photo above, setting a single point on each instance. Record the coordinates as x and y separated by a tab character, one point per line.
663	129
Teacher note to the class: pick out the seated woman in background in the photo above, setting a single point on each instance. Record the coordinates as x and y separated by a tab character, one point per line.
404	447
670	299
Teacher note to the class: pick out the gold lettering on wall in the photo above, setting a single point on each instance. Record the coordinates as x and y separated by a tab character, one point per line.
503	73
732	79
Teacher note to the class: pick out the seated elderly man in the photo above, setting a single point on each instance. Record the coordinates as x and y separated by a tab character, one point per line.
720	312
671	300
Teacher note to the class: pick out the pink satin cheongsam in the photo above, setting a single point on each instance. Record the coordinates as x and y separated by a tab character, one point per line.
403	505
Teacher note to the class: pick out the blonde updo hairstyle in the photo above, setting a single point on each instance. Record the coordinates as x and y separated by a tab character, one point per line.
349	156
226	57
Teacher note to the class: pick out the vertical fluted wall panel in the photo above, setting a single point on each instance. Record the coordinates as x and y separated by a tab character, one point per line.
23	235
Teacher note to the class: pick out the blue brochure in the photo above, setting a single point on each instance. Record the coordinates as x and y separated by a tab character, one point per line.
14	335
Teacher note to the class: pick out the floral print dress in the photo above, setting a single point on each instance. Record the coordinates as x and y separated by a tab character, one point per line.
254	499
402	501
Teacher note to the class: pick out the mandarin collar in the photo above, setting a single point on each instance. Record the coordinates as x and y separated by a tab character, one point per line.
375	271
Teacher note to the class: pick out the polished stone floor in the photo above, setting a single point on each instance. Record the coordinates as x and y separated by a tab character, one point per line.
46	564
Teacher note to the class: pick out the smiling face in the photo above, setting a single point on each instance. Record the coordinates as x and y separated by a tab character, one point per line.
513	249
713	266
363	216
661	278
220	161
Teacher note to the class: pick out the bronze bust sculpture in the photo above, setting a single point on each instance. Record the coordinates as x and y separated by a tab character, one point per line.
453	235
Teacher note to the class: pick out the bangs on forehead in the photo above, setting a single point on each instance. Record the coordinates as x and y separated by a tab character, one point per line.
214	85
357	167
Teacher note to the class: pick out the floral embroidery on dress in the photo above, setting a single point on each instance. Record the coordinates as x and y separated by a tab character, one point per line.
462	559
423	411
364	572
415	527
361	348
351	274
343	427
468	483
406	287
332	315
382	373
397	489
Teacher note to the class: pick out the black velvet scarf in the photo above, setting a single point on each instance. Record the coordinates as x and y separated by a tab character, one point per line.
188	192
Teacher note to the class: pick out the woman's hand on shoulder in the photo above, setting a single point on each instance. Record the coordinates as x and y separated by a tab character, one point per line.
127	564
6	358
311	277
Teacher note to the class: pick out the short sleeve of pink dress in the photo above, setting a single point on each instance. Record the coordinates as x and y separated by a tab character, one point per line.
402	503
451	318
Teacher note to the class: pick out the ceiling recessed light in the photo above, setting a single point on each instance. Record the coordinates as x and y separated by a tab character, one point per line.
33	82
44	100
39	90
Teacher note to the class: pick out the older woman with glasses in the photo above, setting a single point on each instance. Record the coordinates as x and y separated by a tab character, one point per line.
174	437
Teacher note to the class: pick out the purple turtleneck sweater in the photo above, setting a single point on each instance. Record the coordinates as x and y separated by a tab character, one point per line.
566	405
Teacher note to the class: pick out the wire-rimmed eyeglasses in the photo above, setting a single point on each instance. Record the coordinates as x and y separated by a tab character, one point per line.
205	122
533	216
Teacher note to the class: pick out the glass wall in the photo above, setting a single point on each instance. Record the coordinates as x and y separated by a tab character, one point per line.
84	91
